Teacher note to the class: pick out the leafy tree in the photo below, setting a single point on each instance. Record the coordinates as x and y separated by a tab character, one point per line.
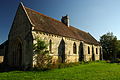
118	49
41	54
109	45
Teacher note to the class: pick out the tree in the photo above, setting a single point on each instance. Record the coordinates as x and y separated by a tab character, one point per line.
41	54
109	46
118	48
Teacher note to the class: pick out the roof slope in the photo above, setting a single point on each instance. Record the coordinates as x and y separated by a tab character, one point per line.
49	25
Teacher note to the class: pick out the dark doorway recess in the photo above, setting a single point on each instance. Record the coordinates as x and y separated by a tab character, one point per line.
61	52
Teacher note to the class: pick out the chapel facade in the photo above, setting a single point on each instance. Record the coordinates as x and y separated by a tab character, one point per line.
66	43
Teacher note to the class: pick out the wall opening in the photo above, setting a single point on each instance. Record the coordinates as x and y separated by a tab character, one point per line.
88	50
17	55
93	54
96	51
61	52
50	46
81	53
74	48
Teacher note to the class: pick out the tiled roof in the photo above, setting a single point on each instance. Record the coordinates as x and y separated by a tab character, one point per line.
49	25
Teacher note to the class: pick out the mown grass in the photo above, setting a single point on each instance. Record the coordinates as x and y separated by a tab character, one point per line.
91	71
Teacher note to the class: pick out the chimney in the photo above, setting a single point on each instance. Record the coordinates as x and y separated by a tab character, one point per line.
65	20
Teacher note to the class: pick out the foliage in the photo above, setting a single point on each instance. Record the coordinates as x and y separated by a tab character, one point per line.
117	60
41	55
109	46
91	71
40	46
118	49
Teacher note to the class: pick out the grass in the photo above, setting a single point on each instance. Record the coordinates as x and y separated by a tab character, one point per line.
91	71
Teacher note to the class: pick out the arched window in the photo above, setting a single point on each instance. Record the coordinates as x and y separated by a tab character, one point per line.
50	45
88	50
74	48
96	51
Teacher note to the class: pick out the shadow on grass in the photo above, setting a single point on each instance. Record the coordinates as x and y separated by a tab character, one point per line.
4	68
7	68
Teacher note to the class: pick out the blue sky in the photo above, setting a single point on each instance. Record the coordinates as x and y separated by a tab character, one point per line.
94	16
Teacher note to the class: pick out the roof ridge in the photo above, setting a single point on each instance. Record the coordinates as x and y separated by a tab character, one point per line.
43	15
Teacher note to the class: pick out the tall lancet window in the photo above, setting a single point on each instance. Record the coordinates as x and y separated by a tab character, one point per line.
96	51
50	46
88	50
74	48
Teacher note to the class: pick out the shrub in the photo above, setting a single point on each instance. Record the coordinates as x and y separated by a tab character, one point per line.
117	60
42	59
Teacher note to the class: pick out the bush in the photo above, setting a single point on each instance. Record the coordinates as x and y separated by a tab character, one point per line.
42	60
117	60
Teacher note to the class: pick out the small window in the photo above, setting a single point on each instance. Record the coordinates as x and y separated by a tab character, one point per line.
96	51
74	48
88	50
50	45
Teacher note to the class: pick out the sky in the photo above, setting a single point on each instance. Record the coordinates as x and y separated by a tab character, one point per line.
97	17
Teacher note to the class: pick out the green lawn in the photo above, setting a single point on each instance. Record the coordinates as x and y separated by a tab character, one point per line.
91	71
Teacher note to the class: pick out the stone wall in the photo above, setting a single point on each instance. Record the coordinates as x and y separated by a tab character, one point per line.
69	55
20	34
1	59
2	55
88	57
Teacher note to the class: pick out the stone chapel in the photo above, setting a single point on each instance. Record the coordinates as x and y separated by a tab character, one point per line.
66	43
